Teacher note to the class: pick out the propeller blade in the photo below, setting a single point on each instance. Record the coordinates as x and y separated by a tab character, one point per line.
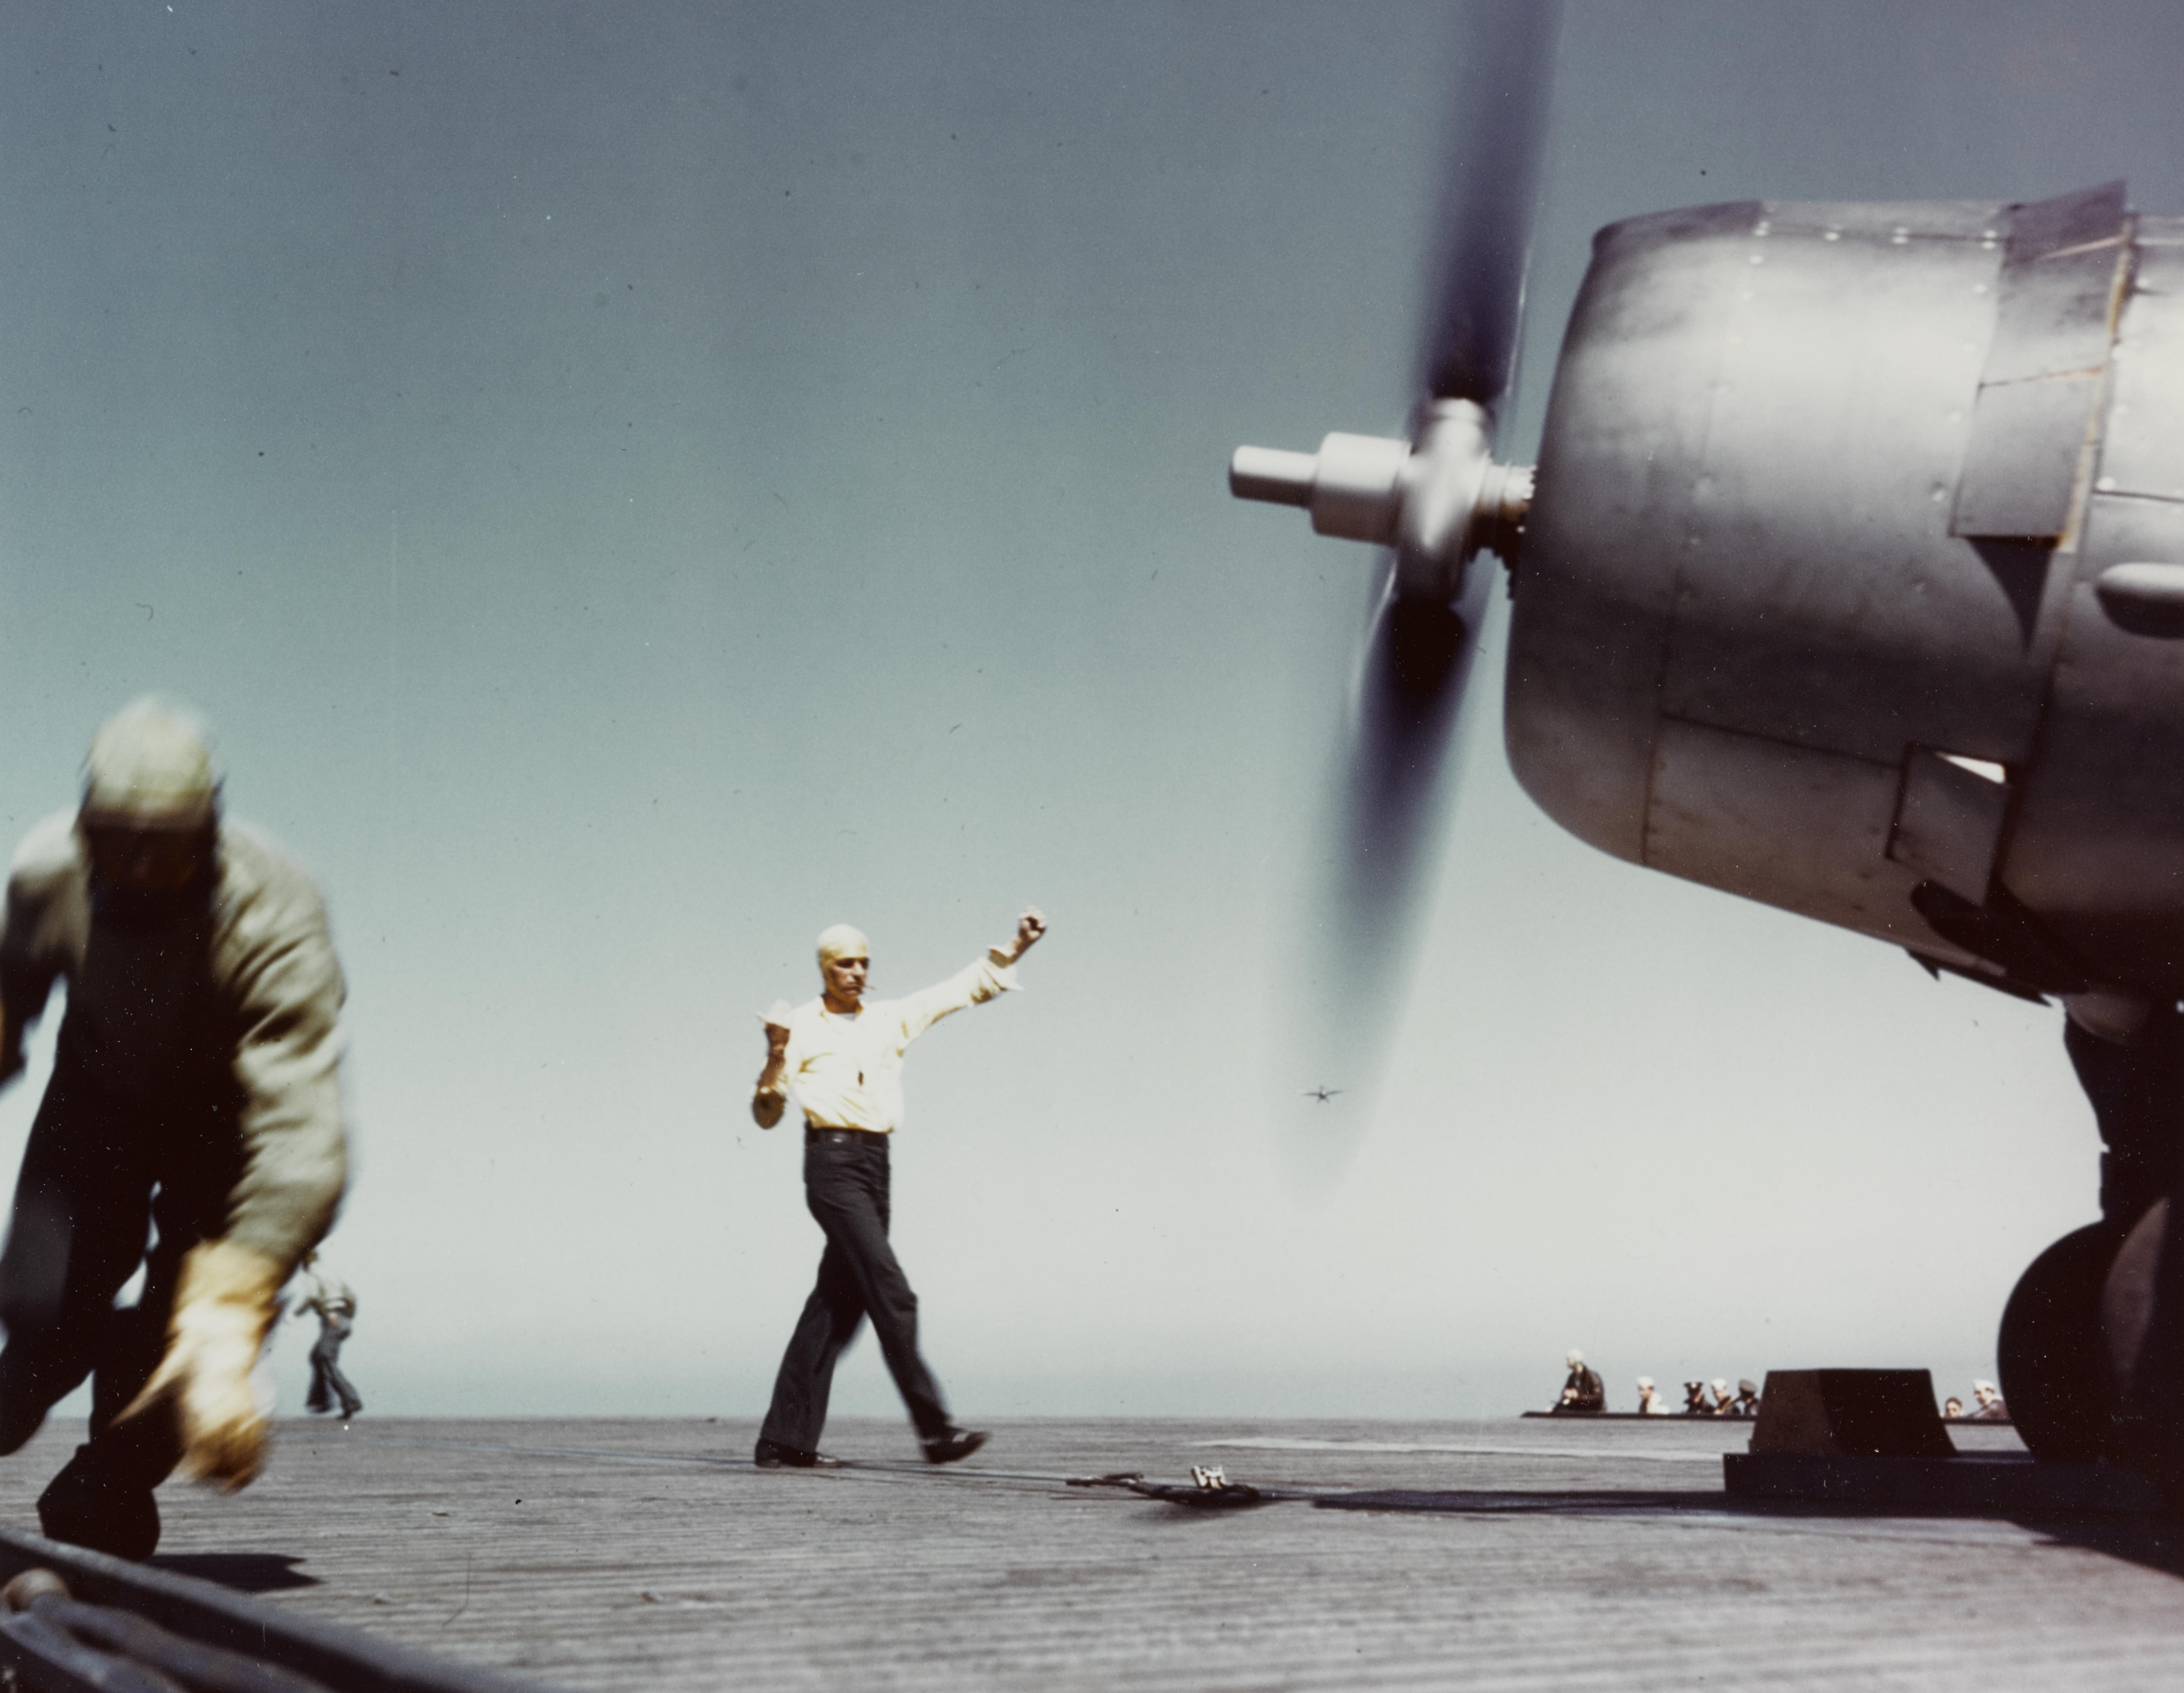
1387	830
1416	657
1438	504
1493	183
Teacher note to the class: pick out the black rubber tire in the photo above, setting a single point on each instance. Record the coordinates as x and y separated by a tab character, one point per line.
2054	1362
2127	1301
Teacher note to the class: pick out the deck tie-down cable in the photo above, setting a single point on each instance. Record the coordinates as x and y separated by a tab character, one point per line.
52	1640
1209	1489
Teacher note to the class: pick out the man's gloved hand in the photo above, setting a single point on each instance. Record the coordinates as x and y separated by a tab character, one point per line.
224	1308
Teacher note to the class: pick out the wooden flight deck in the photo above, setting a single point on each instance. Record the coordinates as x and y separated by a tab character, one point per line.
1509	1554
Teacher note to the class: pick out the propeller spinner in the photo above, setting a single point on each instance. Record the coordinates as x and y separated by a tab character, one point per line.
1436	501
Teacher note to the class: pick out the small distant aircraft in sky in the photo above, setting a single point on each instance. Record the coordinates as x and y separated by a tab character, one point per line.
1322	1094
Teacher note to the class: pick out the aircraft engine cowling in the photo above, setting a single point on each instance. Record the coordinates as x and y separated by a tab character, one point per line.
1821	597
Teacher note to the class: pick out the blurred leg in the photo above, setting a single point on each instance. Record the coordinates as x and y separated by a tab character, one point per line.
351	1401
77	1235
102	1498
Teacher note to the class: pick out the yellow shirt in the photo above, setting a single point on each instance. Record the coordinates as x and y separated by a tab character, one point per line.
846	1072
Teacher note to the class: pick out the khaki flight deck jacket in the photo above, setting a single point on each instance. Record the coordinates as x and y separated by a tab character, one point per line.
241	1001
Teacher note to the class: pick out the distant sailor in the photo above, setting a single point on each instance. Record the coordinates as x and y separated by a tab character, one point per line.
1696	1402
1650	1402
841	1059
328	1298
1584	1392
195	1091
1747	1399
1990	1409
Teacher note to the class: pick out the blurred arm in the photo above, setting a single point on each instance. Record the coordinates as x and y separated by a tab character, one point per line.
44	903
289	991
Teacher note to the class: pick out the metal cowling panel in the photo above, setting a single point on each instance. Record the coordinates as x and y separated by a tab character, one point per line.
1820	600
2066	265
1595	591
1802	829
1739	572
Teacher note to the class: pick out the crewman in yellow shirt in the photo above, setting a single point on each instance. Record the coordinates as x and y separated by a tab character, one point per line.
841	1059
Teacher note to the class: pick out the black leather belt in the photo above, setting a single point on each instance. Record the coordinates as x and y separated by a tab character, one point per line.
813	1131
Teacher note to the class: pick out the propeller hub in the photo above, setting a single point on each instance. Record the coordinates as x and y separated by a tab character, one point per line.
1437	502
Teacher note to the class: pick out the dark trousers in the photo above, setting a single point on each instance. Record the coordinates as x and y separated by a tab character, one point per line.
99	1173
845	1184
328	1385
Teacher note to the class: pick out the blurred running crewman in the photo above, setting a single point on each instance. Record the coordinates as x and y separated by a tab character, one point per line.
195	1089
841	1060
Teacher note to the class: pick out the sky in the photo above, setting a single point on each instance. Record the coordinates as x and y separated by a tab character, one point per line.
631	485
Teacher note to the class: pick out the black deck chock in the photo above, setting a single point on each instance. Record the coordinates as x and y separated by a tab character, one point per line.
1974	1481
76	1621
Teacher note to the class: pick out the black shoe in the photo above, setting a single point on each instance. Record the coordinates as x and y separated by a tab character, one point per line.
957	1443
86	1508
771	1455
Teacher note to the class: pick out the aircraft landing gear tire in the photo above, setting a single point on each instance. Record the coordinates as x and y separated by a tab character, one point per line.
2055	1369
2143	1323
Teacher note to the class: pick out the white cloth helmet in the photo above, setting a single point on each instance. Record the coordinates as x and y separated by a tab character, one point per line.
149	767
842	940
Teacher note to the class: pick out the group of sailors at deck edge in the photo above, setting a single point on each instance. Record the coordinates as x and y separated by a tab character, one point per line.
1585	1395
193	1128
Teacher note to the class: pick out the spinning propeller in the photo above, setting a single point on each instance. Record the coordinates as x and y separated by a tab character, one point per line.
1432	503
